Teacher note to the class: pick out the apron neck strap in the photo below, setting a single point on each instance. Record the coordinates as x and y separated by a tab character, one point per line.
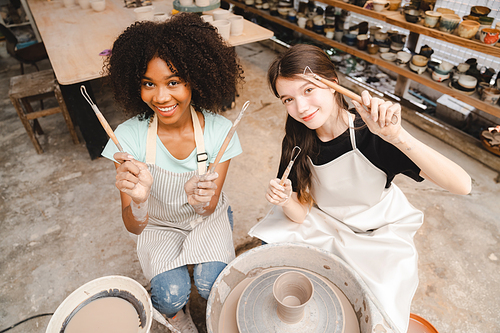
351	130
201	156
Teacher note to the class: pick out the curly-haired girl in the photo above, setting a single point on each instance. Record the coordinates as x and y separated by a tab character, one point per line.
174	78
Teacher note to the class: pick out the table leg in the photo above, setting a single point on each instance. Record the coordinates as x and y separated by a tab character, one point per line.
84	117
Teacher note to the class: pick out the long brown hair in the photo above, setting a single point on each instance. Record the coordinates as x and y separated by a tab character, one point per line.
289	65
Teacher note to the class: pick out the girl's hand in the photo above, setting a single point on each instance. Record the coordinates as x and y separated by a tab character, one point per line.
200	192
277	194
133	177
378	117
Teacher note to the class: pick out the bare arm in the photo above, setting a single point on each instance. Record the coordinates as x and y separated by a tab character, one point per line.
434	166
288	200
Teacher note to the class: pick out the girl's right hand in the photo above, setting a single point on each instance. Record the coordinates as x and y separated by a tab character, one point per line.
133	177
277	194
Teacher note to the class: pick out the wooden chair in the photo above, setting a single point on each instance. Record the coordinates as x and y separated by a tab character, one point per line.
27	55
37	86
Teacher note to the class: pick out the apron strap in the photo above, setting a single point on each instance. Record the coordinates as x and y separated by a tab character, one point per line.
151	141
351	130
201	157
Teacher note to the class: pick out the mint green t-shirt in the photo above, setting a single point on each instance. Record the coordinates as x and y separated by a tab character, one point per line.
132	135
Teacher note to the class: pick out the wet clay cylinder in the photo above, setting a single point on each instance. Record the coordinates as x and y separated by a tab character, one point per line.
292	291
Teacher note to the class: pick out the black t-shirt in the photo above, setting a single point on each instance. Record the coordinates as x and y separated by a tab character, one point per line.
380	153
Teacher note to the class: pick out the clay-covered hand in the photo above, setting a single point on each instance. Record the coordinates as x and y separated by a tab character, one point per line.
133	177
277	194
378	114
200	191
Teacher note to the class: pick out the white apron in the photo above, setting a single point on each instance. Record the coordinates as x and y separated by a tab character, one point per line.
357	219
176	235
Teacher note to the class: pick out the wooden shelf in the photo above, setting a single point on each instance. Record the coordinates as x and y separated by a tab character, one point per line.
397	19
424	78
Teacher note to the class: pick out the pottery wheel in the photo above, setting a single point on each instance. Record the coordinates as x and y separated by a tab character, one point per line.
256	311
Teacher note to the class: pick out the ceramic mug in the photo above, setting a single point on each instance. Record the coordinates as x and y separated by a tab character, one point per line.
431	19
221	14
362	41
301	22
202	3
237	22
223	27
380	5
207	18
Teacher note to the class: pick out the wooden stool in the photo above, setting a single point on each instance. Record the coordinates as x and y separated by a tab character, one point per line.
33	87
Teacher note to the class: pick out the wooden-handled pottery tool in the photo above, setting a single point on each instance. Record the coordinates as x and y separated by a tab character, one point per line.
295	152
340	89
101	118
227	139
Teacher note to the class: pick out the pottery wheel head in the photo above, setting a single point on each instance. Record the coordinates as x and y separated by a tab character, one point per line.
257	307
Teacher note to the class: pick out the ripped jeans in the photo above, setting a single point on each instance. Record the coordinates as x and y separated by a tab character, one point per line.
170	290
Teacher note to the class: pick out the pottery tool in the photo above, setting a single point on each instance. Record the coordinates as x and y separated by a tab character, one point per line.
227	139
340	89
101	118
295	152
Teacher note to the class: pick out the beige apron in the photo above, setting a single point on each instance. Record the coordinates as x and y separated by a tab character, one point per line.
357	219
176	235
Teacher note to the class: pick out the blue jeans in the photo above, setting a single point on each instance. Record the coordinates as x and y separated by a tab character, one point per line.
170	290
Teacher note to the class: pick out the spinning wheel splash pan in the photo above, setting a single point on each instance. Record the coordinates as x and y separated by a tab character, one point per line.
251	264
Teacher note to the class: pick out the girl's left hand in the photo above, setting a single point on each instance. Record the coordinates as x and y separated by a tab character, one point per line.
378	116
200	191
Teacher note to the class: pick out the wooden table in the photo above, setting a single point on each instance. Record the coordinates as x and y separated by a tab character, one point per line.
74	37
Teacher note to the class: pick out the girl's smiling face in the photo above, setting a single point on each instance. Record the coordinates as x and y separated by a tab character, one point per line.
165	92
306	102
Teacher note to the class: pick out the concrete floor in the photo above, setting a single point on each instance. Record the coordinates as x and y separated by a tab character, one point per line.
61	225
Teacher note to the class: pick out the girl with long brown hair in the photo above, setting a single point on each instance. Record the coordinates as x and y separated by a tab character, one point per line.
339	195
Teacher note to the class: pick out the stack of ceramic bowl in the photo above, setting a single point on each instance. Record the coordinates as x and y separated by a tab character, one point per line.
465	83
442	71
418	63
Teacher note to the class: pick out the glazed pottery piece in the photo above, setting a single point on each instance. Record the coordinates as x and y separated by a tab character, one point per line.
439	77
403	58
445	67
350	39
380	5
362	41
489	36
419	60
426	51
431	18
373	31
449	22
463	67
490	95
381	36
468	28
372	48
383	48
412	15
417	69
479	11
445	11
486	20
394	5
467	81
388	56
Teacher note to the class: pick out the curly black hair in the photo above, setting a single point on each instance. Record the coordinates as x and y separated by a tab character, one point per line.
193	47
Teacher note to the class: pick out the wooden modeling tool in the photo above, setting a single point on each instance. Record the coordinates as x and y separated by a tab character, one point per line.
101	118
227	139
295	152
337	87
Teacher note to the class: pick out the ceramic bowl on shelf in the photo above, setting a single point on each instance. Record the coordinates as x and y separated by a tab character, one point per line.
419	60
417	69
489	36
381	36
444	67
350	39
468	28
412	15
467	81
403	57
490	95
388	56
372	48
436	76
443	10
431	18
479	11
383	48
449	22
